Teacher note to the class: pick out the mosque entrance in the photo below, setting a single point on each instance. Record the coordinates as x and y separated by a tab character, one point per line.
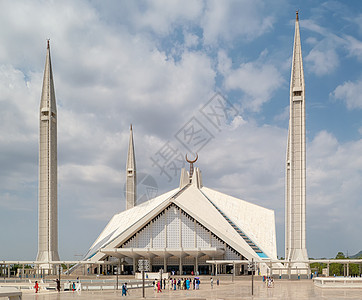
156	268
173	270
128	270
187	269
204	270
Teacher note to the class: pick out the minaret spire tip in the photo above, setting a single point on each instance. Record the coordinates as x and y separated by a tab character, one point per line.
48	46
297	15
131	177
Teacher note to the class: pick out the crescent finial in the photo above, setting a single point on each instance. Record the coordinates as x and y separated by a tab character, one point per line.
192	161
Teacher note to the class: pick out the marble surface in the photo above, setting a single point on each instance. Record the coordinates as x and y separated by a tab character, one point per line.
241	289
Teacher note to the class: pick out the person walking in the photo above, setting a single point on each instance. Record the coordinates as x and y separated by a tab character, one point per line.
124	289
197	283
212	282
36	286
159	286
58	284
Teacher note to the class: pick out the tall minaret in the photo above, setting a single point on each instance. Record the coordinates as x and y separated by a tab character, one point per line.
48	165
131	180
295	200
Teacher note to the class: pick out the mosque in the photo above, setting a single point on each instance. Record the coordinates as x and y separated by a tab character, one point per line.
179	231
185	229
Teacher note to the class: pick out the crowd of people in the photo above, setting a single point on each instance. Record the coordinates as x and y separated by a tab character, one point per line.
174	284
186	283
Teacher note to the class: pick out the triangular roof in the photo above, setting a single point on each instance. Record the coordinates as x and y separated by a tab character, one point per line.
126	220
248	228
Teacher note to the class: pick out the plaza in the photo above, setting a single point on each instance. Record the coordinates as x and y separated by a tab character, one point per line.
240	289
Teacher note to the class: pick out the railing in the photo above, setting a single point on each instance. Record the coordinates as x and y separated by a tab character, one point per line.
10	293
338	282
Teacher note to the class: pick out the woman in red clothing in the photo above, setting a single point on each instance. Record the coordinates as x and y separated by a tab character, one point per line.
159	287
36	286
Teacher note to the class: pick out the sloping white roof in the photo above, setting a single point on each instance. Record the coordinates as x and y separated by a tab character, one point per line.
257	222
122	221
196	205
246	227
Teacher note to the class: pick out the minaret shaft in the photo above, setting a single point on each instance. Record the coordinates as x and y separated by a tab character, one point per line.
295	238
131	179
48	166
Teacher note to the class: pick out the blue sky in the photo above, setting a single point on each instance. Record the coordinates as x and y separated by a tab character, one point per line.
155	64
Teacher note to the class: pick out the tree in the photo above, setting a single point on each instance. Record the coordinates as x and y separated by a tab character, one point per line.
336	269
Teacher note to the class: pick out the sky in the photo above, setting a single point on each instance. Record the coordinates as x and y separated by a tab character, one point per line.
162	66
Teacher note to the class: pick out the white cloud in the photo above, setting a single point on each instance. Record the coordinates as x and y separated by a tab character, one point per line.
334	168
333	194
354	47
350	93
322	61
258	80
191	40
284	115
313	26
161	15
230	19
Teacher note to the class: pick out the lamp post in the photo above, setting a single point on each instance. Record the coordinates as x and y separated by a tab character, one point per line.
143	283
161	271
118	269
143	265
252	276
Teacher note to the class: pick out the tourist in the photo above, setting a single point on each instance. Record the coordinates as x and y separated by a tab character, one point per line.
217	281
197	283
159	286
212	282
36	286
170	281
124	289
187	284
269	282
58	284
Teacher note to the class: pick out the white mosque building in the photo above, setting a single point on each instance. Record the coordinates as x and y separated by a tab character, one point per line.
184	228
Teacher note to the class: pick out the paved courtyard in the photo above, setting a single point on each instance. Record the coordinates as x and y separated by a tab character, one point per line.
283	289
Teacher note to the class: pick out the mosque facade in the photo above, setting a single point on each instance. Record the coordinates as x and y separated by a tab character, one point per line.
180	230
